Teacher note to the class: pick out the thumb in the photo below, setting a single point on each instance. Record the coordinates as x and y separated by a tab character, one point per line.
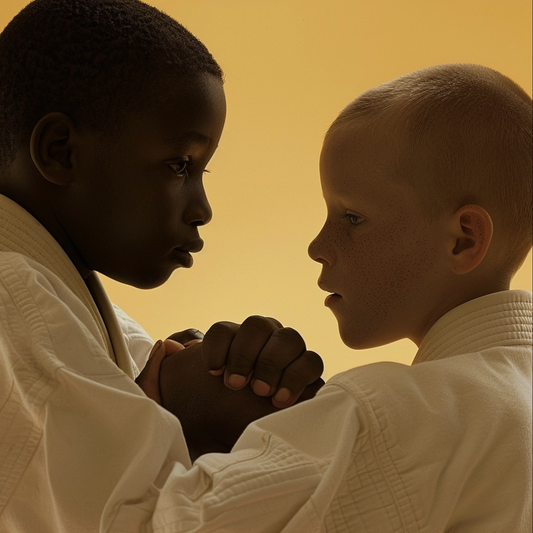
172	346
148	379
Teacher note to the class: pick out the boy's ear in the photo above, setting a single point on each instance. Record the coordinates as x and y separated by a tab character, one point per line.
472	229
51	148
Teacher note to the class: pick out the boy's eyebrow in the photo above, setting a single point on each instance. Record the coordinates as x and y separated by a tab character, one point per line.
189	137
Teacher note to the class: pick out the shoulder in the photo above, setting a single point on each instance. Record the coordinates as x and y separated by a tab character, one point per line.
446	429
373	380
18	270
30	290
436	397
385	392
44	325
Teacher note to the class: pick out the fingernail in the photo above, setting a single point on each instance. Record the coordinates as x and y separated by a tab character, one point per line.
261	388
283	395
236	382
156	347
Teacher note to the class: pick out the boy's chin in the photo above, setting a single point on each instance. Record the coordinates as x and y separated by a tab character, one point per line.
356	339
141	280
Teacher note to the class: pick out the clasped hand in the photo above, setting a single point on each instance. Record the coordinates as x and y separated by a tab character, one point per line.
239	373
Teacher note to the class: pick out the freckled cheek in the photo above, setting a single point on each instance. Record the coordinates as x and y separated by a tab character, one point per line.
360	260
382	259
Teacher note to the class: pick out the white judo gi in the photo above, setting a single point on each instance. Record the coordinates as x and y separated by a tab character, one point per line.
442	445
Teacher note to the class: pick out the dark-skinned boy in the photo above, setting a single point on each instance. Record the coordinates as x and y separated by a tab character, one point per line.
103	173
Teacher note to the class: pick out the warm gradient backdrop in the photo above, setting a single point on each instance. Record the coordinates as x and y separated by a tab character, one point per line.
291	66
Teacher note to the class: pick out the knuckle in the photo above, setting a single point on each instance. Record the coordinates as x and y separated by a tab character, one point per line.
290	336
275	321
293	380
187	335
216	344
314	362
306	370
259	322
267	368
221	330
194	333
239	363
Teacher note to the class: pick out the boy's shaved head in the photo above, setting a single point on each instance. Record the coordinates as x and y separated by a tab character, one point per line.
463	135
89	59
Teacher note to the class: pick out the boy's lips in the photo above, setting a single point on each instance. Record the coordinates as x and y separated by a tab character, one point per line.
323	285
182	258
182	254
192	247
332	297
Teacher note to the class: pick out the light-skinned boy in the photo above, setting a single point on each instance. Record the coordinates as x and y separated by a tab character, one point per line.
427	181
110	111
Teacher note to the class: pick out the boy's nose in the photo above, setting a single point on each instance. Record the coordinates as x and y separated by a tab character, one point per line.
198	212
318	250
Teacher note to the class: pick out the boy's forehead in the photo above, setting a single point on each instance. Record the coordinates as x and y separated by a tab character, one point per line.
364	159
180	110
360	146
173	90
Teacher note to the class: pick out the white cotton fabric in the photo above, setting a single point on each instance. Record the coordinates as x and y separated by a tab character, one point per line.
443	445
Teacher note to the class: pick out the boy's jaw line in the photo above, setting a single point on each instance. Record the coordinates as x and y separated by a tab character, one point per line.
334	298
181	255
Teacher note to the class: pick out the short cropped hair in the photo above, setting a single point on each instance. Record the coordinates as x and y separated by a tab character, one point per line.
465	137
87	59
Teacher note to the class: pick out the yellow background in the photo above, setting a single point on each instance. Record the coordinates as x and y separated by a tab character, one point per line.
291	66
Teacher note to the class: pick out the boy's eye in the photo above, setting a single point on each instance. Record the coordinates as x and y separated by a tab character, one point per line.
355	220
180	167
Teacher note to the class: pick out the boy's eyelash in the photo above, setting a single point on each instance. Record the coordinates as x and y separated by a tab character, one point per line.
354	220
180	167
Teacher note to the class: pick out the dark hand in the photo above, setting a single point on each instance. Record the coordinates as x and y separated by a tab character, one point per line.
212	416
261	351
